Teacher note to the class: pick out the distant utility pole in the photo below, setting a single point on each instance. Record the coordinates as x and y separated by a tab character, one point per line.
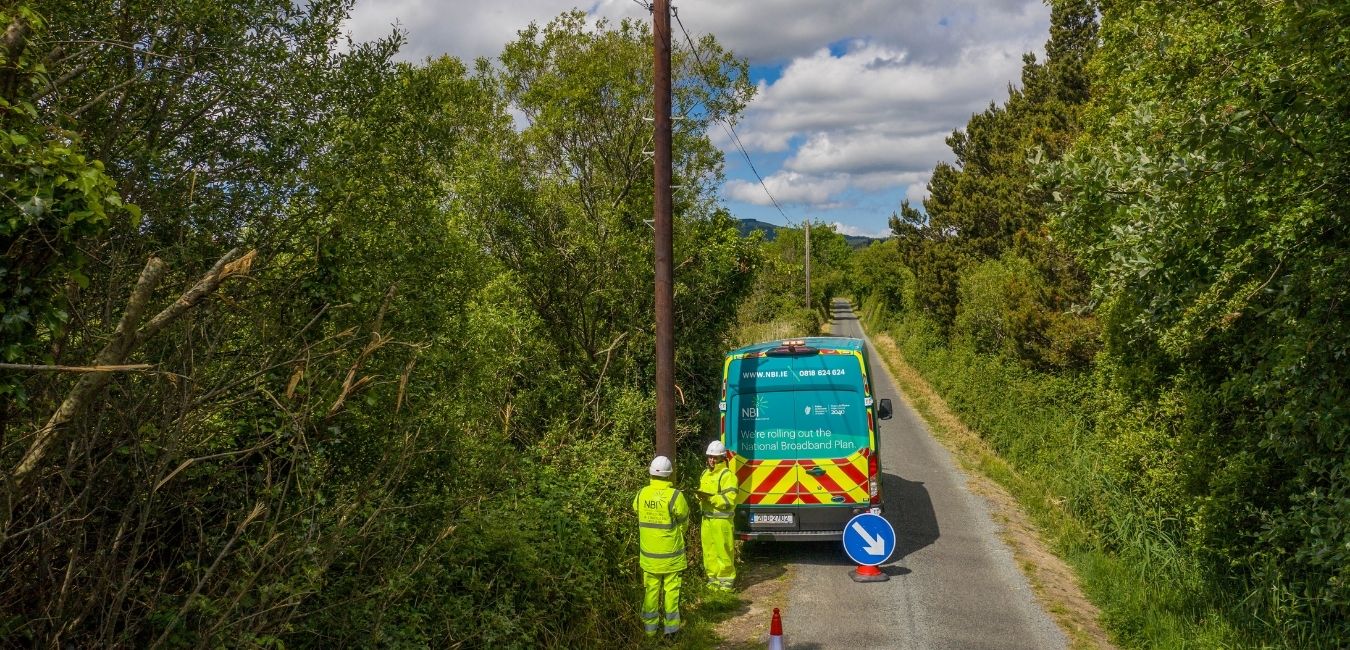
808	263
665	294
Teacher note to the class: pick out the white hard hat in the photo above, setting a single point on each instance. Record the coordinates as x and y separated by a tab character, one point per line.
716	448
660	467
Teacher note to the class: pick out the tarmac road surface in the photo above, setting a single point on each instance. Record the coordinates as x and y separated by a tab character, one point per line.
953	582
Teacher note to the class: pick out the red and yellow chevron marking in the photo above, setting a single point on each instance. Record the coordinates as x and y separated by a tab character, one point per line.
788	482
768	482
846	477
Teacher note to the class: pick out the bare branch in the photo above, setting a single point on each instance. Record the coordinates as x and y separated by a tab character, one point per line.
185	464
351	384
87	386
403	383
44	368
53	86
258	510
102	96
231	264
128	335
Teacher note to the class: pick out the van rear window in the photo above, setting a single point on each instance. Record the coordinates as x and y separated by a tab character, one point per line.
799	424
796	407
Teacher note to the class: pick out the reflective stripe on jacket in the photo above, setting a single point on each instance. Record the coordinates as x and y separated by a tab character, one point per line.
663	514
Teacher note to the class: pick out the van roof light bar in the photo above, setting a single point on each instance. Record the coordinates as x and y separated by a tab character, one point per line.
792	347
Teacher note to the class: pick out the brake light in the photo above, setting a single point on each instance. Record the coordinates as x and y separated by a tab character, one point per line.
873	479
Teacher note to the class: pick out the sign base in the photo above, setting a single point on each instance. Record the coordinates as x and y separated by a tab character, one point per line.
865	573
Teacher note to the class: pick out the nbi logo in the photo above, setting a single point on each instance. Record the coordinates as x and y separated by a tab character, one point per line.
756	409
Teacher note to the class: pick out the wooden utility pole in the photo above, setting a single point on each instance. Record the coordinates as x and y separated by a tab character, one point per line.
665	294
808	263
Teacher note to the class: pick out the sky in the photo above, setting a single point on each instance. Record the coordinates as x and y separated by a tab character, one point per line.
855	97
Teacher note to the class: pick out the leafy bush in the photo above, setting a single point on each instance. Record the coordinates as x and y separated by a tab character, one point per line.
1000	308
416	413
879	277
1206	200
1005	308
56	196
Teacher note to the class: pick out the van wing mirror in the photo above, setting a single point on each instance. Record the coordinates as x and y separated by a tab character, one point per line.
884	409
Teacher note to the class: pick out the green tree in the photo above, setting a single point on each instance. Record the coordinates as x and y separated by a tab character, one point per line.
986	203
931	256
579	189
778	297
210	499
878	276
830	255
1206	199
425	388
999	311
57	199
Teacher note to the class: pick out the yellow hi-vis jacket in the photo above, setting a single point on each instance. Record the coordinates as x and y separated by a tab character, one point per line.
717	493
663	515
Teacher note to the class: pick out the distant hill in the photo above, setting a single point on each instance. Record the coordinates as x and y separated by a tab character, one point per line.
859	241
747	226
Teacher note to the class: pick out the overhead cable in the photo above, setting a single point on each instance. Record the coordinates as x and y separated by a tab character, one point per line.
726	125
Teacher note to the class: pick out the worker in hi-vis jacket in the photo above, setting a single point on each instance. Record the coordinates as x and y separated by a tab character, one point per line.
663	517
717	498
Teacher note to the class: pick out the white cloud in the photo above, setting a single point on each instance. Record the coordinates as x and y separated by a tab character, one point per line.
765	31
886	180
846	229
788	188
826	92
917	193
466	29
872	115
868	119
782	30
867	92
855	151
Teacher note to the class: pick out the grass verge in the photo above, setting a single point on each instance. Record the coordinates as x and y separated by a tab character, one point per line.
1023	528
1030	436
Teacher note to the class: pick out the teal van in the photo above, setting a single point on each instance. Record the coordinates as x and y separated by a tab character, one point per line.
799	423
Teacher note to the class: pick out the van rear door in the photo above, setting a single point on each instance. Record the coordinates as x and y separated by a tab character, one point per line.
799	427
841	481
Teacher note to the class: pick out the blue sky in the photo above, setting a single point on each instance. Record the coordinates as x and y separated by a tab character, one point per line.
855	97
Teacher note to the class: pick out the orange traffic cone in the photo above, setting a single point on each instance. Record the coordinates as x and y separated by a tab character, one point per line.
776	631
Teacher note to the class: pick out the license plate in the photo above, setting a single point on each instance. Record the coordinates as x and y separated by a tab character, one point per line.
764	518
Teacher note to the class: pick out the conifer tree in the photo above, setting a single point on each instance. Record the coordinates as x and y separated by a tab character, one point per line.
987	203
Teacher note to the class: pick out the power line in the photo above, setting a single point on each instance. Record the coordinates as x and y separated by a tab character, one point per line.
726	126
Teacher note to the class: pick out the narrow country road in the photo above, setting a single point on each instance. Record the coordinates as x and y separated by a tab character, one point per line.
953	583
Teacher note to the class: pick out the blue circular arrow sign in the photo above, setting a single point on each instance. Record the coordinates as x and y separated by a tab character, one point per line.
869	539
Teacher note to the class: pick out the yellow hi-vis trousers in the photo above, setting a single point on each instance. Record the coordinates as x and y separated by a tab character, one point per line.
719	550
656	585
